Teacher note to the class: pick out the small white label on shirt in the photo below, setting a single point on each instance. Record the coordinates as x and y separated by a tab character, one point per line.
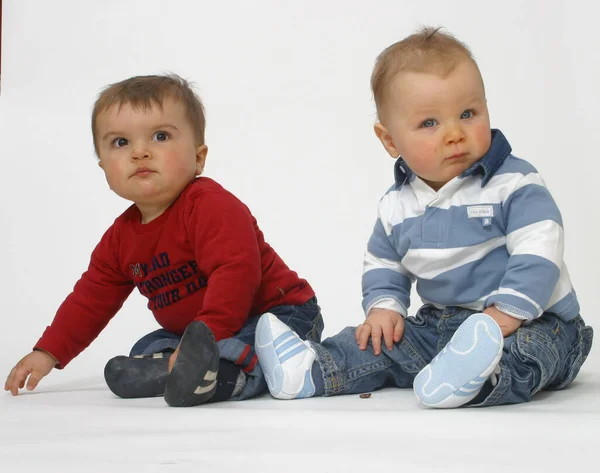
479	211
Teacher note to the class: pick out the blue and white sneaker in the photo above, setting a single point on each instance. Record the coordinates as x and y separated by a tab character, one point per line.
457	374
285	359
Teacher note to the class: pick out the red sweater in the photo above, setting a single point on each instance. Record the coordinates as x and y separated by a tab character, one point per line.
203	259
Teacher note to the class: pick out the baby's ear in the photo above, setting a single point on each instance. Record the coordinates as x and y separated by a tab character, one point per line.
386	139
201	153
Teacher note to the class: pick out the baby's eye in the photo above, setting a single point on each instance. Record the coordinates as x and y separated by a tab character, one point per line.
160	136
120	142
428	123
466	114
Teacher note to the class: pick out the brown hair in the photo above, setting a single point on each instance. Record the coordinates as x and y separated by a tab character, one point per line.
428	50
147	91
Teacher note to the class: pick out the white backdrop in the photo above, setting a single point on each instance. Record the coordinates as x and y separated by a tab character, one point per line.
290	116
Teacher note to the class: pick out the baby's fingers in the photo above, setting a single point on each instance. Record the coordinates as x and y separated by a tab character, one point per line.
399	330
8	380
173	358
357	334
33	381
388	335
17	379
376	333
363	333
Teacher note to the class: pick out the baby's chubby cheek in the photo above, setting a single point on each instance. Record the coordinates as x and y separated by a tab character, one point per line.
483	138
114	174
180	166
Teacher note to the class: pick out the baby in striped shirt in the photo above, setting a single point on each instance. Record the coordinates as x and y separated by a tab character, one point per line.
478	231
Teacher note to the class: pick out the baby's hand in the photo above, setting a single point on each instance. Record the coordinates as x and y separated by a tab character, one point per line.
380	322
36	365
507	323
172	358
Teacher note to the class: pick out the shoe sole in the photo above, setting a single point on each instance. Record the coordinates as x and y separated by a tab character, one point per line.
133	378
193	379
457	374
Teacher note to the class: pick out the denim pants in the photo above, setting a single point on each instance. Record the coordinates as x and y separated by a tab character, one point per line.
305	319
544	354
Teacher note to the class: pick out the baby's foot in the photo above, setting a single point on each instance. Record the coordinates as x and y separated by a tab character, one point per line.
285	359
457	374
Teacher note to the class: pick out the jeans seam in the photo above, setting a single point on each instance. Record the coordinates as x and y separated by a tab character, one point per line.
369	368
578	359
333	380
413	355
314	334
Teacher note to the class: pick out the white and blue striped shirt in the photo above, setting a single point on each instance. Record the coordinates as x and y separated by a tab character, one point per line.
491	236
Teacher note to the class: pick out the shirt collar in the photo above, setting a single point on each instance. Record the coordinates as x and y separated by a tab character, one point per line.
487	165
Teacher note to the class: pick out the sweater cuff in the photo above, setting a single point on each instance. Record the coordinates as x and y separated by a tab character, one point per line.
52	344
518	307
387	304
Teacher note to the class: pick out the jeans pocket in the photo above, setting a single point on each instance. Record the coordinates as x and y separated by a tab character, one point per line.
536	346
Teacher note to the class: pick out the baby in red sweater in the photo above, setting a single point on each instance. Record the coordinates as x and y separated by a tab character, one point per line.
188	245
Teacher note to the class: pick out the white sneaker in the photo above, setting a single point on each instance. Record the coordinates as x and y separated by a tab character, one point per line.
457	374
285	359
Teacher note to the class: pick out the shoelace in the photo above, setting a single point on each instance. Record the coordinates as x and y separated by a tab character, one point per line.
494	375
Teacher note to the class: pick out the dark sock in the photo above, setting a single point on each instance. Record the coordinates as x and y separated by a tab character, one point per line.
486	390
230	381
317	376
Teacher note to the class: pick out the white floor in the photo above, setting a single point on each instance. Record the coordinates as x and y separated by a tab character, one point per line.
80	426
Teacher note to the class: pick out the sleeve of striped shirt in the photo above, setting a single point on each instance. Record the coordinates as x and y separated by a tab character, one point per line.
534	240
385	281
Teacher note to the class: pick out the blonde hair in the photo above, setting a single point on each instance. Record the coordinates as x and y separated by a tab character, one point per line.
428	50
147	91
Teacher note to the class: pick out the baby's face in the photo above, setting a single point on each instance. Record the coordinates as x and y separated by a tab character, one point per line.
148	156
439	125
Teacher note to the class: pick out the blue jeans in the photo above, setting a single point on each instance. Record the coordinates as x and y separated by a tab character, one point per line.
545	354
305	319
